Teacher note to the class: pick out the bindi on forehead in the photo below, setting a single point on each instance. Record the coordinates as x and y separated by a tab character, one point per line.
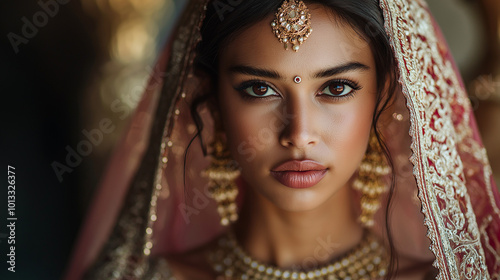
331	45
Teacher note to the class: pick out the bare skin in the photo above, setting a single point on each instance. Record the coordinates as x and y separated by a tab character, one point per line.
269	119
282	225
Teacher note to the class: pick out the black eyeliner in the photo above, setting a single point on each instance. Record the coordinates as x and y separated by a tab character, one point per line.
247	84
352	84
244	85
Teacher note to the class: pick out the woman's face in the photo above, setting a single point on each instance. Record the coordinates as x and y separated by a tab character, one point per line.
319	127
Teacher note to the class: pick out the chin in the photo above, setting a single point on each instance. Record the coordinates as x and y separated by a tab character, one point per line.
297	200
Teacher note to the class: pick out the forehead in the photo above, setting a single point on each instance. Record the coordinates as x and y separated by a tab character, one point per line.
331	43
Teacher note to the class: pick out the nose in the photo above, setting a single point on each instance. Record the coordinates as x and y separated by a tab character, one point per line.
300	124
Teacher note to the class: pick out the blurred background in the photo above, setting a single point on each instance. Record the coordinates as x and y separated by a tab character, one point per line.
67	65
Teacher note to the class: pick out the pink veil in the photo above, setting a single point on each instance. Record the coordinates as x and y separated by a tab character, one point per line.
153	201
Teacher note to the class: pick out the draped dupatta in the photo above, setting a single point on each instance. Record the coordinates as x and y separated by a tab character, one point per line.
456	187
153	200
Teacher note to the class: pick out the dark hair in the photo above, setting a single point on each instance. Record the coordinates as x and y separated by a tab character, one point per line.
225	19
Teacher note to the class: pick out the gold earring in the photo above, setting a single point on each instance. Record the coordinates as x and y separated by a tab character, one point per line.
222	173
370	181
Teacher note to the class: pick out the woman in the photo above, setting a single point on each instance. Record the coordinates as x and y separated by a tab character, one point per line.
300	103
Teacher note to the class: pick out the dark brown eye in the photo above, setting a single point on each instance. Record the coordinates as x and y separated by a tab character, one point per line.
337	88
260	89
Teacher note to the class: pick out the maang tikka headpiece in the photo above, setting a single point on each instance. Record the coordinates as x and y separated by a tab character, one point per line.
292	24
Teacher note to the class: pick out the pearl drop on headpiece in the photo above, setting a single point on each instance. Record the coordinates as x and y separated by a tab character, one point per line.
292	24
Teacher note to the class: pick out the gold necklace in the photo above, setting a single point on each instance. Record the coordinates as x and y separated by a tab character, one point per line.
368	260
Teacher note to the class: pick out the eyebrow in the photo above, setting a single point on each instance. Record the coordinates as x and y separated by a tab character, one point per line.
254	71
347	67
264	73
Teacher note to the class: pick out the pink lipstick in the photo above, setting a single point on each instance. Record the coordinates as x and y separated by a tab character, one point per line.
299	174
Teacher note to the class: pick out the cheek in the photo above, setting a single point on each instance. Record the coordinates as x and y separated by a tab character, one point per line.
356	125
349	139
250	129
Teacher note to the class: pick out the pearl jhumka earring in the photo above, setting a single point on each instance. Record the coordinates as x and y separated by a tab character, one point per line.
370	181
222	174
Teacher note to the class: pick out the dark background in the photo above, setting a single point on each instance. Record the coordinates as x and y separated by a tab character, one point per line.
45	89
40	113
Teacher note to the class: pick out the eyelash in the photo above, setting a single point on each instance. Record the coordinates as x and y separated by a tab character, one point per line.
352	84
241	89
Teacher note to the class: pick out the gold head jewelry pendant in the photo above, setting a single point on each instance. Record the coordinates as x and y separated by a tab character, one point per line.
292	24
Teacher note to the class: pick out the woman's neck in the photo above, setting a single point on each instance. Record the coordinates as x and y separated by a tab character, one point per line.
299	240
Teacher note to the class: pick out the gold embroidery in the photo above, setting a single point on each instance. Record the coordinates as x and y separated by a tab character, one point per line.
446	157
441	139
189	36
126	253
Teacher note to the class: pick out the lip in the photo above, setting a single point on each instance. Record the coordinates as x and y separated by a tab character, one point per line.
299	174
